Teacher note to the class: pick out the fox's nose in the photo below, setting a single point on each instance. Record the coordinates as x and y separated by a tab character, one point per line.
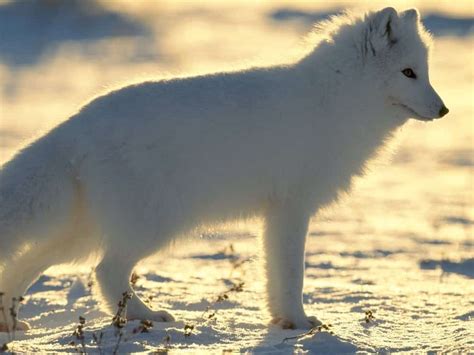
443	111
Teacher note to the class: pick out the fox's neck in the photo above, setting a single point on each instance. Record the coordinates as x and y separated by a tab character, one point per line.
343	117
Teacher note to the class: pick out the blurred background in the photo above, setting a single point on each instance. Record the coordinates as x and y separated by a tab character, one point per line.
412	218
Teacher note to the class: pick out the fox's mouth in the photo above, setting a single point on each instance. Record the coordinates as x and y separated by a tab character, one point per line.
413	113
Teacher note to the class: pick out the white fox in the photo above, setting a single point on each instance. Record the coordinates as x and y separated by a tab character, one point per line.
139	166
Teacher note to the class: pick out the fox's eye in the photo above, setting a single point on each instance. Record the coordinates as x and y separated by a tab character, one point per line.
409	73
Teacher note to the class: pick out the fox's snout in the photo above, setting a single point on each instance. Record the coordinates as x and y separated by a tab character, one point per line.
443	111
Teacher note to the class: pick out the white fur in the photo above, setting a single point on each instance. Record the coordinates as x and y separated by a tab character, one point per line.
146	163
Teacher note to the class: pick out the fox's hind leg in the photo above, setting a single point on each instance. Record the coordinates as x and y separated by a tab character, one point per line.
113	275
72	240
132	218
17	275
20	271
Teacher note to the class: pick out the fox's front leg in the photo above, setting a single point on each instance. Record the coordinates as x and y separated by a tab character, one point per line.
285	231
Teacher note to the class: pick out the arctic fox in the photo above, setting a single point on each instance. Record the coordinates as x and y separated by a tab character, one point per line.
139	166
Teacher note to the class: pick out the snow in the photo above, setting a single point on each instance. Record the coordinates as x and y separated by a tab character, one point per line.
400	246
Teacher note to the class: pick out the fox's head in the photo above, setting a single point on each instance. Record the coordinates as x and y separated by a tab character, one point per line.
397	47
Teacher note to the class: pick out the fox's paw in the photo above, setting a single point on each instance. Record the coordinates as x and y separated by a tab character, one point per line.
20	326
304	323
155	316
162	316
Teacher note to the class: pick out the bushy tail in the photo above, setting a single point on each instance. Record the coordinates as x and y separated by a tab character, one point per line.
36	192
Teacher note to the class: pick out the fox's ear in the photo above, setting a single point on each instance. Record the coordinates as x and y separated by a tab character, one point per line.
411	15
386	22
383	28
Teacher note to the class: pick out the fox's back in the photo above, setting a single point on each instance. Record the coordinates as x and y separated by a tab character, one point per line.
198	137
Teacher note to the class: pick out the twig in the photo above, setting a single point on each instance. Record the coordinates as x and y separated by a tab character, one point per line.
166	344
14	313
79	334
167	340
188	328
120	318
118	343
311	332
98	341
144	327
369	316
4	315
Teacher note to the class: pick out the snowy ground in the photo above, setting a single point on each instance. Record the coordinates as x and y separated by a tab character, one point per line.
401	246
